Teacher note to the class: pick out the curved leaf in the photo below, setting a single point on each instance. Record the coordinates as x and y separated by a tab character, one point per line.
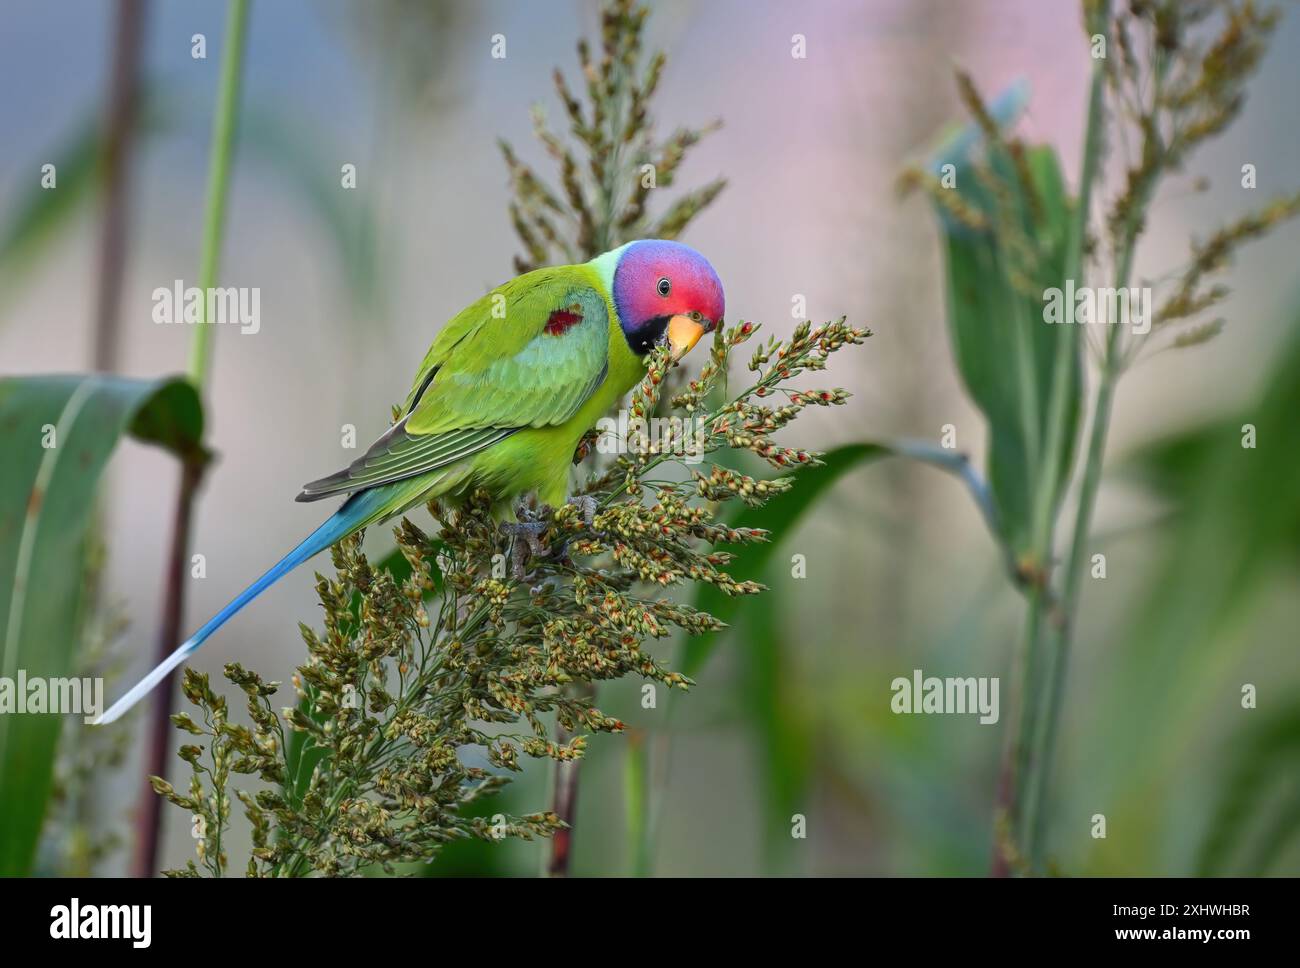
1004	349
779	516
57	433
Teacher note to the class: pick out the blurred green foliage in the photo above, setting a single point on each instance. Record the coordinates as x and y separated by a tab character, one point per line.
1198	634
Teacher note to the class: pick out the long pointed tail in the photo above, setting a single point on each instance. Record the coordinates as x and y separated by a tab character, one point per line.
356	512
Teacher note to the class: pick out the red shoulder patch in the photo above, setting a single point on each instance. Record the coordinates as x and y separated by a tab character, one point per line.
561	319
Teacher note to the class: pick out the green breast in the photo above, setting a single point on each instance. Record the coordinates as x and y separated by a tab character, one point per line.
539	459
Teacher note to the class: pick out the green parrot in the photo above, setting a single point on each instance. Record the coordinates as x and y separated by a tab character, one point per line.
504	396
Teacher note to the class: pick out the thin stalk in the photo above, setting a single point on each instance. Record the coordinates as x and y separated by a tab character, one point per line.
564	799
148	825
565	775
1062	629
1047	491
1021	766
148	819
120	129
223	139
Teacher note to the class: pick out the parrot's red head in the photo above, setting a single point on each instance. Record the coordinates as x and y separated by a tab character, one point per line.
665	291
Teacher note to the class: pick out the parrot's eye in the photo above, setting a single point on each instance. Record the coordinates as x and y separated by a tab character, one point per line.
665	286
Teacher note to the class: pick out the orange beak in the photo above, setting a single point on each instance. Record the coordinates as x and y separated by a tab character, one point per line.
683	333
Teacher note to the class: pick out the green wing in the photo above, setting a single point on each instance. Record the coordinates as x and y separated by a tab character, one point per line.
528	354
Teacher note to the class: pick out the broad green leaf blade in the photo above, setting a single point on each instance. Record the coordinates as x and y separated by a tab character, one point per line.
780	515
782	737
57	433
1004	350
780	724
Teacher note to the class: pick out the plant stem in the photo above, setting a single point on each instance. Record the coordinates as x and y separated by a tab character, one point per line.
1023	766
1058	642
637	770
1062	629
120	128
564	798
1050	471
149	824
223	137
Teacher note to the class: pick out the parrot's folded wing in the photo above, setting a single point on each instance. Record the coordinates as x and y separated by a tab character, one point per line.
398	455
528	354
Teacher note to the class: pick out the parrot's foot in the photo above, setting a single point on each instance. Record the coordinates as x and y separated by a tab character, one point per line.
526	535
530	534
587	504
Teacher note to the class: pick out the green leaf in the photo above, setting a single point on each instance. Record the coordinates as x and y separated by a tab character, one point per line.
782	732
780	723
636	802
301	757
778	516
782	736
1170	466
783	512
1004	350
58	434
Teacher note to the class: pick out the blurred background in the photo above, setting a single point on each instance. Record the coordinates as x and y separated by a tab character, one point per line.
792	714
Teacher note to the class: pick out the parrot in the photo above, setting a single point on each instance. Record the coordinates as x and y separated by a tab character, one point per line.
503	398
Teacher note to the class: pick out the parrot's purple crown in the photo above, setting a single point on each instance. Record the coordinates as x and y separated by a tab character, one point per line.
656	280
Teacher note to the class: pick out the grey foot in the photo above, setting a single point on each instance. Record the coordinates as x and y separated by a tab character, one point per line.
587	504
526	541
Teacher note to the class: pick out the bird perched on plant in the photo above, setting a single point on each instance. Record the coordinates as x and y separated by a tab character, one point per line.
504	396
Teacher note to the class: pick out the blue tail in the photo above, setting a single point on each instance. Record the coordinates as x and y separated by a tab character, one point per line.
355	513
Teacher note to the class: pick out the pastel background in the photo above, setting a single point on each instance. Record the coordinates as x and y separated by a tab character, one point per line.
901	574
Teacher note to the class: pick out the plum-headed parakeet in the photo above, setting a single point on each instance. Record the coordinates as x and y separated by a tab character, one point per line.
504	396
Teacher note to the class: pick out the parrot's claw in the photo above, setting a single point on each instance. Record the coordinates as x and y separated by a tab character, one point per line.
531	533
587	504
530	529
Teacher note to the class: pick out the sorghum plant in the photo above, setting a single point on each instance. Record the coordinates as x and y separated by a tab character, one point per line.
422	691
604	202
604	198
1167	76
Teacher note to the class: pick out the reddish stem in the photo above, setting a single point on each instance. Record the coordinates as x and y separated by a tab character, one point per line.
148	822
